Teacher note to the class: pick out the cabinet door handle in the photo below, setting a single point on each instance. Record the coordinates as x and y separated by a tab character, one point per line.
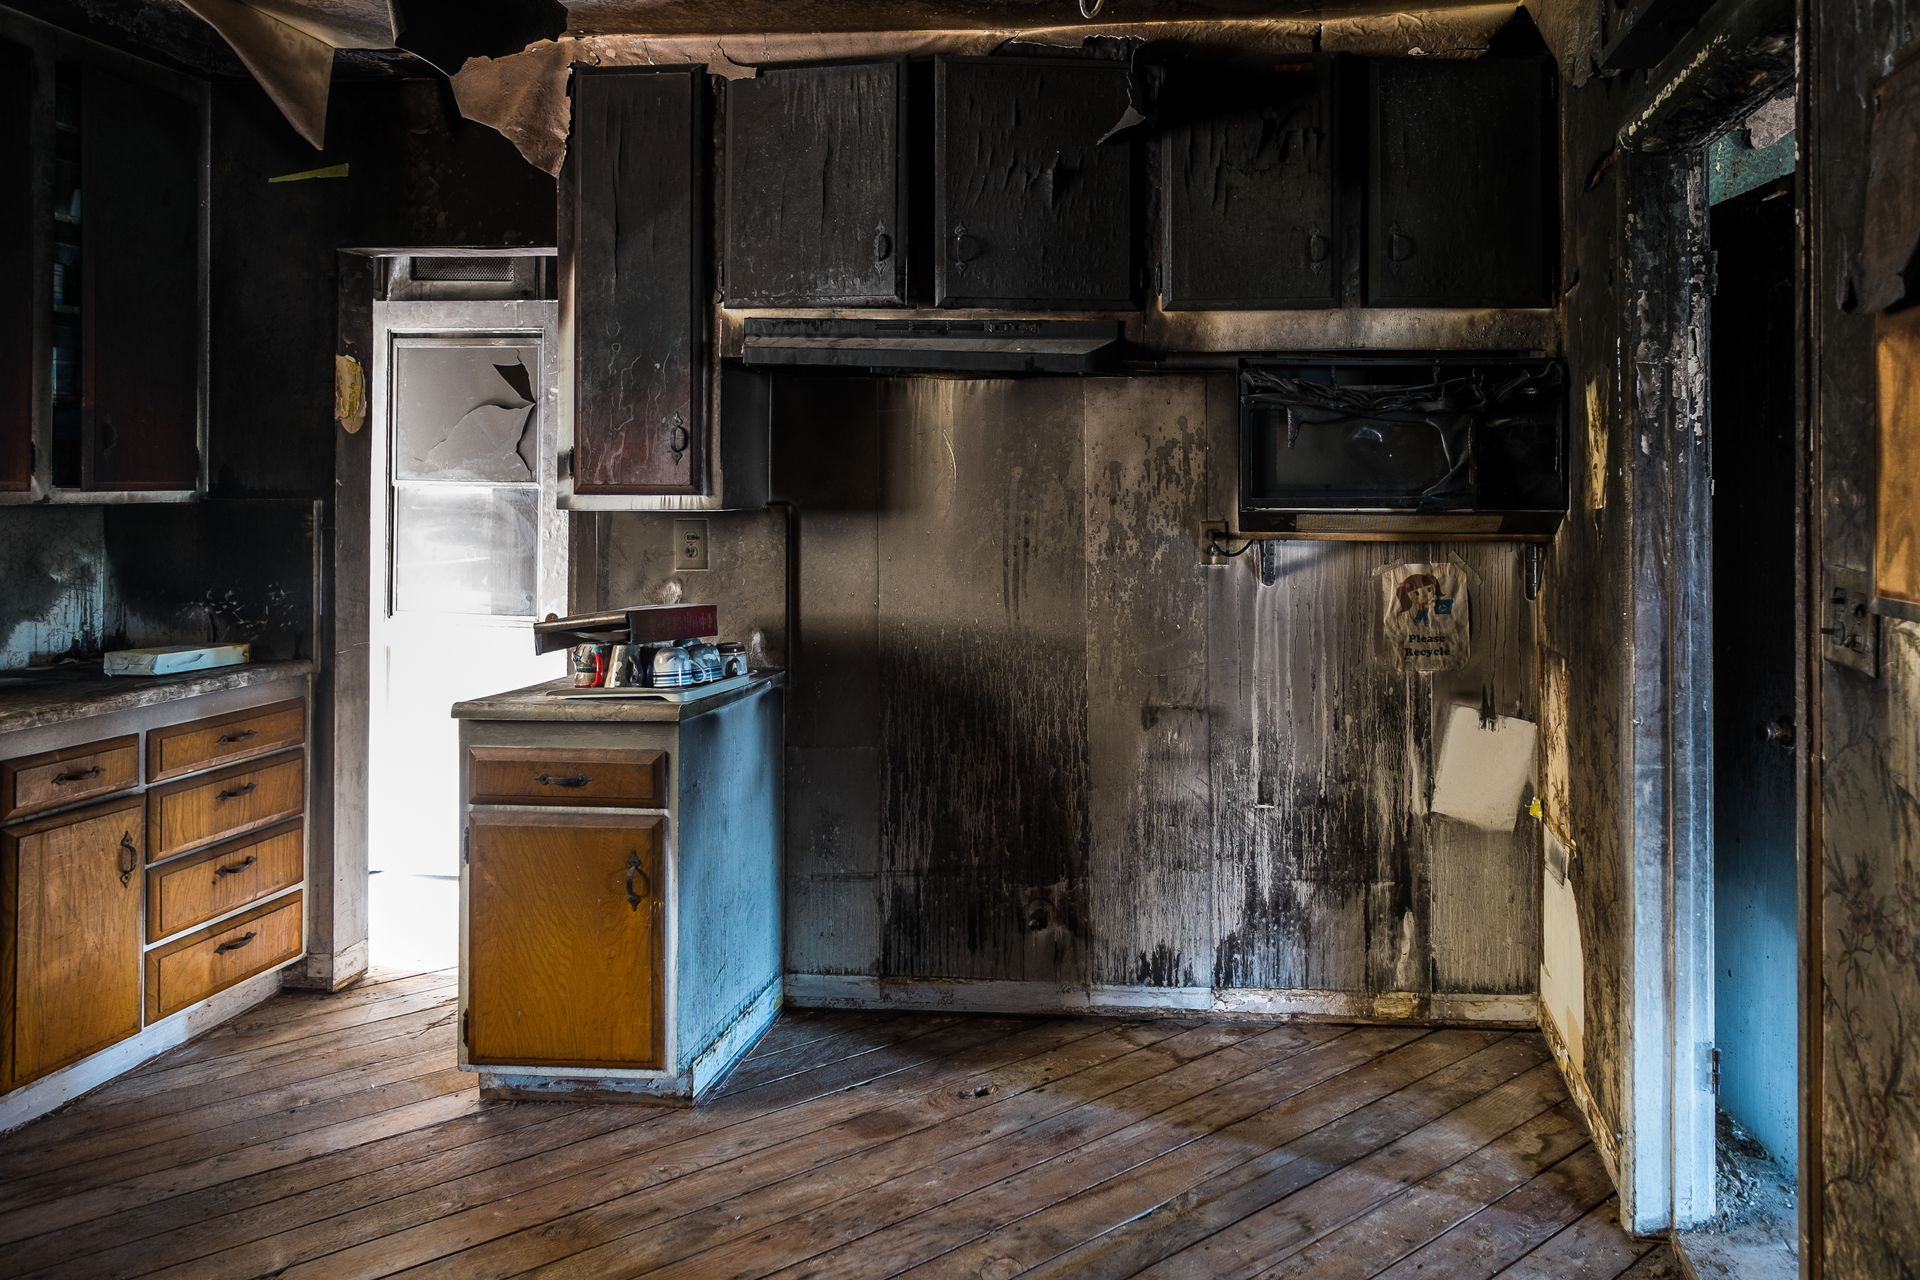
571	780
677	438
1400	246
245	789
965	248
228	739
1318	247
633	869
234	869
81	775
129	857
236	944
882	244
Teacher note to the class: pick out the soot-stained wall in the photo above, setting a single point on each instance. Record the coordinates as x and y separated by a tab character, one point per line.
1033	739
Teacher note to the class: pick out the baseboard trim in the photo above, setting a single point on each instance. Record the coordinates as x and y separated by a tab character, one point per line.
1605	1141
320	971
841	991
31	1101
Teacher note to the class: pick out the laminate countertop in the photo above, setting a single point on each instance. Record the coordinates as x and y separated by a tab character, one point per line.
536	702
38	697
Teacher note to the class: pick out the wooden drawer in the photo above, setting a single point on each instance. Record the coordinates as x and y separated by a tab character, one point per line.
197	888
194	967
242	735
55	778
215	806
561	776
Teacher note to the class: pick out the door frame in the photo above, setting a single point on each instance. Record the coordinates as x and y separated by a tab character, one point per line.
1728	66
337	953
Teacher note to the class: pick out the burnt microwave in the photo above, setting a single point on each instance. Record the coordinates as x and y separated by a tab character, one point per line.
1429	446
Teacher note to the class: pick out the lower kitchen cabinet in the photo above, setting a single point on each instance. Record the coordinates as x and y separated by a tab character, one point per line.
564	961
620	936
70	909
133	916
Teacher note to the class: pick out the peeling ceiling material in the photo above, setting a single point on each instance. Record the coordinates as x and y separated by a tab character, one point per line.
524	95
292	63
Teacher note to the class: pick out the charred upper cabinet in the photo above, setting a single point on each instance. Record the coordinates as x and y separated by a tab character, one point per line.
633	247
140	237
1032	200
1248	212
816	208
1459	203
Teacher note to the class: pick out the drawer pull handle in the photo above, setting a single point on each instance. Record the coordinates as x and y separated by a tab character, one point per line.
633	869
244	789
129	857
228	739
62	779
571	780
236	944
236	868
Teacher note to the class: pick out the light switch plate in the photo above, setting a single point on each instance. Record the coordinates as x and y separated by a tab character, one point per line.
1849	629
690	550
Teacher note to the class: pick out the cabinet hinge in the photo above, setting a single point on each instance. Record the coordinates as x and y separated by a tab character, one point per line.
466	844
466	1021
566	464
1713	1070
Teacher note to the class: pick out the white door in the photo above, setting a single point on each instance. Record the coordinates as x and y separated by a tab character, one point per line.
469	547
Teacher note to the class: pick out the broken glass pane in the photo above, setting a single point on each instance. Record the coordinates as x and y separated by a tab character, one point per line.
459	549
464	411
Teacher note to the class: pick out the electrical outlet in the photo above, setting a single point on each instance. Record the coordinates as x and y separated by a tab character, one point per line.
1211	534
1849	631
690	548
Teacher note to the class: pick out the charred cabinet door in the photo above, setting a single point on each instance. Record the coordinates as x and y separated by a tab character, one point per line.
633	244
140	228
564	940
1031	207
1459	203
1249	212
816	211
70	903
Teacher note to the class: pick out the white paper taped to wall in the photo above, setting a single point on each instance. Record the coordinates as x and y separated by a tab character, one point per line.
1483	770
1425	624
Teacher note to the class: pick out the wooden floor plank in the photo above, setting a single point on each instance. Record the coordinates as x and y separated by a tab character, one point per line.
826	1239
1506	1230
1133	1220
328	1135
1390	1231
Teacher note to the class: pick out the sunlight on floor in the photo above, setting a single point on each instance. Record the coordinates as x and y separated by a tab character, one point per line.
414	921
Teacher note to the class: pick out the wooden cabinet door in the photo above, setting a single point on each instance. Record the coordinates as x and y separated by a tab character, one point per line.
1459	204
1031	208
1248	197
816	187
19	298
140	161
633	245
70	955
564	940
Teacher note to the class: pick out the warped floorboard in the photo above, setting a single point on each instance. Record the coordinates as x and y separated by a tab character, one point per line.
330	1136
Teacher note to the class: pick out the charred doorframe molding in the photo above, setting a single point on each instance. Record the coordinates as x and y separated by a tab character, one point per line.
337	953
1736	59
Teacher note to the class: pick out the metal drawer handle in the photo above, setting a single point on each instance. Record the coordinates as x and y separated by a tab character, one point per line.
228	739
633	869
236	944
245	789
572	780
129	857
236	868
62	779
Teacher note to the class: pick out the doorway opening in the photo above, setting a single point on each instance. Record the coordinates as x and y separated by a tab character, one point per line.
467	545
1755	847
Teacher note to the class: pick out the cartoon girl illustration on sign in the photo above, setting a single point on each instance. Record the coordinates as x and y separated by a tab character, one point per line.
1426	616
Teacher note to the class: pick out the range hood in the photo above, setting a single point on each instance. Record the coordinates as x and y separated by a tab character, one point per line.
954	346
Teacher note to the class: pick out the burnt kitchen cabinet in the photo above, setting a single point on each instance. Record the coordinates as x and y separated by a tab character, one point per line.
816	207
1032	199
1248	198
634	271
140	237
18	297
1459	204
